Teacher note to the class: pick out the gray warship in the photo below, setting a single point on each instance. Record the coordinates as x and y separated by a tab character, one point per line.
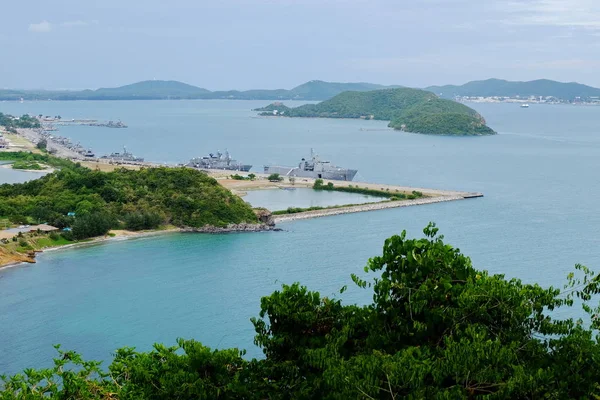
313	168
218	161
125	156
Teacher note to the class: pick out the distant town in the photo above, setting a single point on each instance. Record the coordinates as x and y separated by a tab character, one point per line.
529	100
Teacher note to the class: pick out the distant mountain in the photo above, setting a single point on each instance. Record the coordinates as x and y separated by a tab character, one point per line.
411	110
153	89
498	87
157	90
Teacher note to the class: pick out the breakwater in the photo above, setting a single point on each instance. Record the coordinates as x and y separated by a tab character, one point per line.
371	207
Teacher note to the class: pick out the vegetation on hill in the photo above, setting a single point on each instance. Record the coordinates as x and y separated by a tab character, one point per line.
498	87
31	165
12	123
437	328
151	90
411	110
143	199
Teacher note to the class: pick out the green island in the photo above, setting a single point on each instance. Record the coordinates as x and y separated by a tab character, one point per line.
436	328
410	110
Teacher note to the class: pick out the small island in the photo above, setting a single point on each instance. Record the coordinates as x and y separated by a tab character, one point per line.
410	110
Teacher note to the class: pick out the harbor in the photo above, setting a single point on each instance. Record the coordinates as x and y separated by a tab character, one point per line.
225	170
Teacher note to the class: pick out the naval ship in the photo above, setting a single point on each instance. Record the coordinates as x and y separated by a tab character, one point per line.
218	161
125	156
313	168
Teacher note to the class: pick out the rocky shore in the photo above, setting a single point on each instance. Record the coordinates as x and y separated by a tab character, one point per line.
233	228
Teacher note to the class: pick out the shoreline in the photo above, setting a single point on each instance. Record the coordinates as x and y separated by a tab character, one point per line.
42	171
120	235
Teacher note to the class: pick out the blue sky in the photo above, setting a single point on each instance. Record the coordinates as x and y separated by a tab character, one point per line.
246	44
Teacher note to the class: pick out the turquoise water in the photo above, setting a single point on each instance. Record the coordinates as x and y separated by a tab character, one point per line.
278	199
539	216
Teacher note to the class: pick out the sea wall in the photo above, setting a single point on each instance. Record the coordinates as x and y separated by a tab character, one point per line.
365	207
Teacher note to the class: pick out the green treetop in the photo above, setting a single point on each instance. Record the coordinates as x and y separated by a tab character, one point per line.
437	328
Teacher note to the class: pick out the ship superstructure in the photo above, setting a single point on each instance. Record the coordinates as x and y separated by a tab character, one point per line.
313	168
125	156
218	161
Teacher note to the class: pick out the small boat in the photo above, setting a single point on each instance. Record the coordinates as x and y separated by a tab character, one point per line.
288	188
525	105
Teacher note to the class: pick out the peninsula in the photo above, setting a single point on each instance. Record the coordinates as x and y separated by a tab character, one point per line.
76	203
410	110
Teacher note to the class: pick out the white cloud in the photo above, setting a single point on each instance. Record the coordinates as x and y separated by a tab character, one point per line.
46	26
42	27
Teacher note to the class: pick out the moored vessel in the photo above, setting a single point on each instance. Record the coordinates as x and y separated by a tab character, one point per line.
313	168
218	161
125	156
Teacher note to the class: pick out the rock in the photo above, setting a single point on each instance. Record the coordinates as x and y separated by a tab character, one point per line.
265	216
233	228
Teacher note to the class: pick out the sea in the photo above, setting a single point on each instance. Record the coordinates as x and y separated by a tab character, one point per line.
539	216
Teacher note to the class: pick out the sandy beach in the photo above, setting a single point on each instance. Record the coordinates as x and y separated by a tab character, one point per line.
13	259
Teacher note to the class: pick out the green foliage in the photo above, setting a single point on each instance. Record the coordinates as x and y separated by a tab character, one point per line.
27	165
25	121
92	224
137	221
414	110
275	178
23	156
239	177
319	185
437	328
138	199
441	123
42	144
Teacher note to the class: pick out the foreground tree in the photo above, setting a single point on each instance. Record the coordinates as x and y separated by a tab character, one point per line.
437	329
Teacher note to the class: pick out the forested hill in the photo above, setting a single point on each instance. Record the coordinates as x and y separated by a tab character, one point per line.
160	90
411	110
498	87
144	199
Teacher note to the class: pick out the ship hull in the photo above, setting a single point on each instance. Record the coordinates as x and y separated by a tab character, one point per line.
242	168
337	175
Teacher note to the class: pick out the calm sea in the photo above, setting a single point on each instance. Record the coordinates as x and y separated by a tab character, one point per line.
540	215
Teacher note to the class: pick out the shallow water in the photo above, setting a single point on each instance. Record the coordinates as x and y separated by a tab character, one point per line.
539	216
281	199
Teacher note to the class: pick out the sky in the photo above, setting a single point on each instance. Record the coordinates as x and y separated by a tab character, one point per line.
269	44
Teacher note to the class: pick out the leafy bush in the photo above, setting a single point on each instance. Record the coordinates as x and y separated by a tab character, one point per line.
275	178
137	221
91	225
436	328
27	165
